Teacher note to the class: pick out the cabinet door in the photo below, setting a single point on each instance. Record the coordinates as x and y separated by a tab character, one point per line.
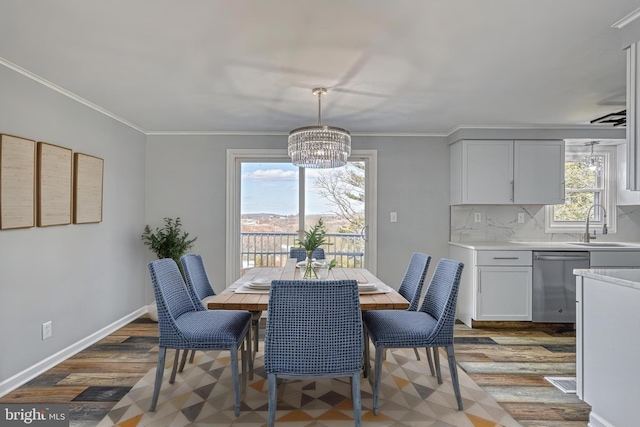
539	172
487	172
625	197
503	293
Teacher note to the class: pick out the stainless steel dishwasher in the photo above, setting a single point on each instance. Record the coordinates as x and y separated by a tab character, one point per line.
554	285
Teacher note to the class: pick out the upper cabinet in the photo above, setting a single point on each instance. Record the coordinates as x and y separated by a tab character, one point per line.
503	172
625	197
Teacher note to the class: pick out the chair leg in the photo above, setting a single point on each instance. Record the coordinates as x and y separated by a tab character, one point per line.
376	380
193	354
273	390
355	397
162	352
234	374
254	331
415	350
183	360
249	359
436	360
367	360
453	368
430	360
175	367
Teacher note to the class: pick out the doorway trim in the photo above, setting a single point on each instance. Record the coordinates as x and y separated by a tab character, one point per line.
236	156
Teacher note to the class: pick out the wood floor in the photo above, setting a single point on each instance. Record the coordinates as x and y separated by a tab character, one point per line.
510	364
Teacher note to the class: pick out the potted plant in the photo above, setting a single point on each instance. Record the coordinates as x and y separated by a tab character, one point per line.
167	242
313	239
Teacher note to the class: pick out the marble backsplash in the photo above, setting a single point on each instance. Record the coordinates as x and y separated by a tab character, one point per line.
500	223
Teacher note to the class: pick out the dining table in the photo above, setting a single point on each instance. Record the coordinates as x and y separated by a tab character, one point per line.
241	295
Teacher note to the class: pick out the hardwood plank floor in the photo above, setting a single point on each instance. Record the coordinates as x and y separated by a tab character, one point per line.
510	364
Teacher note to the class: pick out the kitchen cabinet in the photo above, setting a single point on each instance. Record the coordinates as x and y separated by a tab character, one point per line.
507	172
607	304
496	286
625	197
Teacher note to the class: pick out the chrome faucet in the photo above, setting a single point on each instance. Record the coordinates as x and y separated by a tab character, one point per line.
587	236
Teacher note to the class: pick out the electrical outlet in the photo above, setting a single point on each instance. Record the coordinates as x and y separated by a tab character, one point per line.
47	330
520	217
394	216
477	217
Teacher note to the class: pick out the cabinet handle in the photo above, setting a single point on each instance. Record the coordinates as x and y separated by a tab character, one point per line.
563	190
513	190
505	257
479	281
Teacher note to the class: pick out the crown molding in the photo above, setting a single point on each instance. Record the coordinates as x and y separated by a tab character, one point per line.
68	94
532	127
239	133
627	19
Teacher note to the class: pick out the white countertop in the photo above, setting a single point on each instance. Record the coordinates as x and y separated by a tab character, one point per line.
629	277
547	246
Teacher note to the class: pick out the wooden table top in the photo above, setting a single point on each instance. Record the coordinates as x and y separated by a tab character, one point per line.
229	300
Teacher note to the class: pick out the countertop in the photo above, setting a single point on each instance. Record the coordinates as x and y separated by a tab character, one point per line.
549	246
629	277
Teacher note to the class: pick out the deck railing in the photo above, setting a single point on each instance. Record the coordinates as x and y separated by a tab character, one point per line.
271	249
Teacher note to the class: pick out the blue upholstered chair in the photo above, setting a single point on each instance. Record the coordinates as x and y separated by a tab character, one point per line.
199	289
300	254
411	288
431	326
183	325
314	330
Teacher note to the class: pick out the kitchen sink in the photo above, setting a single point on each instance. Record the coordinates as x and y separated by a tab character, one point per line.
605	245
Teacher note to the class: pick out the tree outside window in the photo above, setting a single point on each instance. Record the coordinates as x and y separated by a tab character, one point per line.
583	189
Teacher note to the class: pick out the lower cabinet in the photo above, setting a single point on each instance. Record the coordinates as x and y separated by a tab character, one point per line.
503	293
495	285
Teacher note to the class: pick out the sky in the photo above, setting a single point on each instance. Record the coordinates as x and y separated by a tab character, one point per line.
273	188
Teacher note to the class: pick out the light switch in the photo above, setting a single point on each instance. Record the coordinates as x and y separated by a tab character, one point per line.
520	217
394	216
477	217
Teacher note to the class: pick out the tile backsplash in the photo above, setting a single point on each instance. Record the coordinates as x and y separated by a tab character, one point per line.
500	223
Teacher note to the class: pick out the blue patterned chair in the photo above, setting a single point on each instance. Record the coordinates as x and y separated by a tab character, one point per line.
411	288
183	325
431	326
314	330
199	289
300	254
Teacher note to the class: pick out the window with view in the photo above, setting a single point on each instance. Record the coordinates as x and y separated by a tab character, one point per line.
584	188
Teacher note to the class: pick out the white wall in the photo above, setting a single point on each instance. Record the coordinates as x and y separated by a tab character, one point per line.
81	277
186	177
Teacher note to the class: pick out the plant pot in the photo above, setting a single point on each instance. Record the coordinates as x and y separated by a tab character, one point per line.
152	311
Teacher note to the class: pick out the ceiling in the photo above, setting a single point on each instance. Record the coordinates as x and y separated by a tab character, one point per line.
391	67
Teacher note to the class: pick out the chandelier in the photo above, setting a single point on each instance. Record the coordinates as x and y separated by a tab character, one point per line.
319	146
592	163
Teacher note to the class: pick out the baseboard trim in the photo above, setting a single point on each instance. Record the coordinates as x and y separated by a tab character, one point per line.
44	365
596	421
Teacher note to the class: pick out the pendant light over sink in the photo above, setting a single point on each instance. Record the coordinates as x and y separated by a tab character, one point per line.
592	163
319	147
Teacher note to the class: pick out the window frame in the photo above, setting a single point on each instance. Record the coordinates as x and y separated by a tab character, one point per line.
609	191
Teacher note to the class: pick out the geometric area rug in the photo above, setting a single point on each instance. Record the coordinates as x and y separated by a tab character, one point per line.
203	395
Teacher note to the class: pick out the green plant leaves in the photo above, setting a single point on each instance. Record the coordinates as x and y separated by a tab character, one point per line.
169	241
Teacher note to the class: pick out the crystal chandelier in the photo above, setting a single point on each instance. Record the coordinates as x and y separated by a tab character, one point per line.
592	163
319	146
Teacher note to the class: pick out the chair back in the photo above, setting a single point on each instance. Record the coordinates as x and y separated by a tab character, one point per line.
314	328
411	285
172	297
196	276
441	297
300	254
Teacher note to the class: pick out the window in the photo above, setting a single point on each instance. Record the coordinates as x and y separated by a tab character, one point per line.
584	189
